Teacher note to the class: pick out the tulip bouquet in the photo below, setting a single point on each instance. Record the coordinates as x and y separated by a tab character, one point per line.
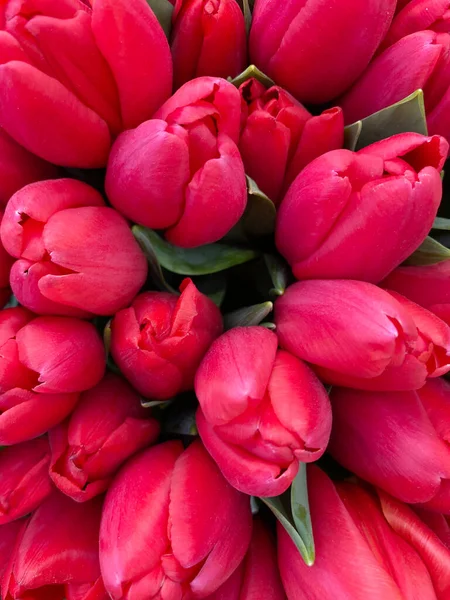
224	256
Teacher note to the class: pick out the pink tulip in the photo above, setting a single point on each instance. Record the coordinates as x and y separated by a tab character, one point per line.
89	72
6	262
197	131
160	340
107	426
393	75
317	48
397	441
25	480
257	576
358	335
56	554
44	363
385	196
207	38
438	522
358	554
8	536
261	411
76	257
18	167
280	137
197	527
426	285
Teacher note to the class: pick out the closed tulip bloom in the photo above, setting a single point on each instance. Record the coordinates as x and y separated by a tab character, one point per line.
6	262
25	480
44	363
8	536
280	137
426	285
396	440
257	576
261	411
316	49
90	70
197	527
207	38
57	553
76	257
358	335
160	340
384	196
107	426
18	168
371	561
418	15
201	199
392	76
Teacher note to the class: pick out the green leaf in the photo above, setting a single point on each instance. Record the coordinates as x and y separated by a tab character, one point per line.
292	510
279	273
248	316
429	252
249	73
260	213
247	15
203	260
154	267
12	302
441	224
214	286
163	10
403	116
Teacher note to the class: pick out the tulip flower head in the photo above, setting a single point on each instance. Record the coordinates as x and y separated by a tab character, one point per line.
261	411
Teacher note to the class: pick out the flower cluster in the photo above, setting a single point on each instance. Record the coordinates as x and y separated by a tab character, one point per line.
215	271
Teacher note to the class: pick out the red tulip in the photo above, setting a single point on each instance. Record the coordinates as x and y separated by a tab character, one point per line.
397	440
385	196
358	554
418	15
76	257
6	262
208	38
361	336
438	522
44	363
196	130
261	411
257	576
280	137
393	75
8	536
18	167
426	285
160	340
197	527
56	555
107	426
88	72
316	49
25	480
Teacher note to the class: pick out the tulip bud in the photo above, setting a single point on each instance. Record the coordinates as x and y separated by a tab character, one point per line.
93	71
6	262
197	130
25	480
107	426
76	257
426	285
261	411
397	441
160	340
371	560
44	363
393	75
57	552
317	49
360	336
385	196
280	137
197	527
208	38
257	576
18	168
8	535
